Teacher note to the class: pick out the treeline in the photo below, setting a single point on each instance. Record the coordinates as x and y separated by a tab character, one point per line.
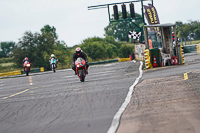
39	46
190	30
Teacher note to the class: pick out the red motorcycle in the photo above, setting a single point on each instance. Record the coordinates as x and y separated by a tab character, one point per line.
27	66
81	69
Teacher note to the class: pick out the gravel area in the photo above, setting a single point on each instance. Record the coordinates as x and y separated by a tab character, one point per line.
164	105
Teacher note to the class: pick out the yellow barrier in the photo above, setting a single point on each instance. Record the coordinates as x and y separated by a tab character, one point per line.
10	73
123	59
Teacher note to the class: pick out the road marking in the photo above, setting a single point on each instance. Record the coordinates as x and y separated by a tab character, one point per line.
185	76
30	80
116	118
115	76
1	84
18	93
130	73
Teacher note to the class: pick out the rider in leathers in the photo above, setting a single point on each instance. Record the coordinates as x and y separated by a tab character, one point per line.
79	53
25	59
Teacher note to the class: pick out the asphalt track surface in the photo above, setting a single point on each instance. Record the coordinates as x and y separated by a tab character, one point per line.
60	103
165	101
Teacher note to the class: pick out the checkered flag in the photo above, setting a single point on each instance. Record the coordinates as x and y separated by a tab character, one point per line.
134	35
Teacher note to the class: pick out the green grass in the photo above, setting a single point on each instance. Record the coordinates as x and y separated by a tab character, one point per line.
7	67
7	64
196	42
191	43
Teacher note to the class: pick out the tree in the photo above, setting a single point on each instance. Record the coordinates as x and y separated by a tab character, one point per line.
191	29
125	51
99	48
94	48
49	30
39	46
119	30
6	48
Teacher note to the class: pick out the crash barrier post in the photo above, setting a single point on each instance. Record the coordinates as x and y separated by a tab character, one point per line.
147	59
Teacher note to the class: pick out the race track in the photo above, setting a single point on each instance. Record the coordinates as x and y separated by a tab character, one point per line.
59	102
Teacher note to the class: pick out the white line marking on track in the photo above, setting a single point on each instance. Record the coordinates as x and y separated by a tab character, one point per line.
117	117
1	84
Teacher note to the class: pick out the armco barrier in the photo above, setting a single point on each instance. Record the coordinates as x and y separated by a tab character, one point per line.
19	72
190	48
32	70
10	73
102	62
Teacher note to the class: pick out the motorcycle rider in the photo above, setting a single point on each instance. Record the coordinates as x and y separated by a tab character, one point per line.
79	53
53	56
25	59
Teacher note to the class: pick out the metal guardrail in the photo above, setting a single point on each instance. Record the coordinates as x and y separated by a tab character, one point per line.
19	72
191	48
102	62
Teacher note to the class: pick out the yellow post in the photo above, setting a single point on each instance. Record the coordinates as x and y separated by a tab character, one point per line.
42	69
185	76
182	56
197	46
147	59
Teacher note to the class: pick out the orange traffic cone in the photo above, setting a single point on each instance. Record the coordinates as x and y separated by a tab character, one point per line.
154	61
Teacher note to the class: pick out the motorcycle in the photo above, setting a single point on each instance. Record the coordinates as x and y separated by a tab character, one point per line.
53	64
27	66
81	69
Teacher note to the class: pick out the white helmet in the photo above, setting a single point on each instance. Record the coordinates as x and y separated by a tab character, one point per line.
78	50
52	56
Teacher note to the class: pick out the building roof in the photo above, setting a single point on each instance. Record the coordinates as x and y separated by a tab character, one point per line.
160	25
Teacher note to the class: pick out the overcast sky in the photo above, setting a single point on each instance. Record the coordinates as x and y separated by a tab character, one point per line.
72	19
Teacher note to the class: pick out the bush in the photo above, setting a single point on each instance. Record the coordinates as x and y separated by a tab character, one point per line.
6	60
125	51
0	67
